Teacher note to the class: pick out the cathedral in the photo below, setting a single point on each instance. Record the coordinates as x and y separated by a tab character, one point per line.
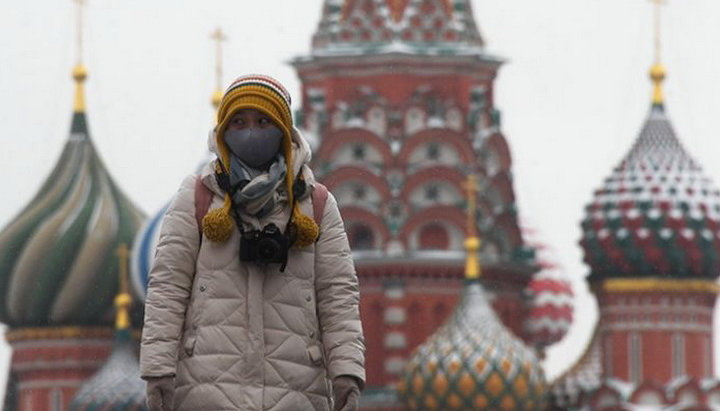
459	298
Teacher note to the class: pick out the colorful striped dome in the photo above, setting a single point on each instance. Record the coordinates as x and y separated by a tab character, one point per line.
473	363
144	251
550	296
657	214
60	248
551	307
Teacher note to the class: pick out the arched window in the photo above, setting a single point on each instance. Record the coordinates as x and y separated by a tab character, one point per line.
454	119
635	362
414	120
678	355
361	237
434	236
377	121
358	152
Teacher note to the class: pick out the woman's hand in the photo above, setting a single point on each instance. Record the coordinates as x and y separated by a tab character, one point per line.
347	393
160	393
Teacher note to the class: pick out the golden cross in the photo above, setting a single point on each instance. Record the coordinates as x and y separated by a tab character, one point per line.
658	7
219	38
79	22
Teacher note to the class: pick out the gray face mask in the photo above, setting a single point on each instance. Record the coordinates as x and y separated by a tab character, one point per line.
256	147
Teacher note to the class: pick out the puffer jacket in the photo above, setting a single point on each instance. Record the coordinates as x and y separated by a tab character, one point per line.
241	336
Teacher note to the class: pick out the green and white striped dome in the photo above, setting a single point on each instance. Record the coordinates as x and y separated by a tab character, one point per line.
57	257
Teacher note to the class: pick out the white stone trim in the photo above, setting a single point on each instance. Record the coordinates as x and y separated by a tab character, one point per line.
395	315
395	340
395	365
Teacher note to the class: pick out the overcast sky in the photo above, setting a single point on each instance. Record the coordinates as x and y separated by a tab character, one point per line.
574	93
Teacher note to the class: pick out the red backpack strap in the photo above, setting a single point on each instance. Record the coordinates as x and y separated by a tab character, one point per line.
203	198
319	198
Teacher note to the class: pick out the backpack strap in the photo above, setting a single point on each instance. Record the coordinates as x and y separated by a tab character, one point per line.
203	198
319	198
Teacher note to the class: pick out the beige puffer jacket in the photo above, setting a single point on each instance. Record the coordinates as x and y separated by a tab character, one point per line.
239	336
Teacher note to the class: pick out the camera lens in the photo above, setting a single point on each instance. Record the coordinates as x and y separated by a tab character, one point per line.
267	249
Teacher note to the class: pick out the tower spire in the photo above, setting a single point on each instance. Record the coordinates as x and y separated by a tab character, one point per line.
472	241
123	300
657	71
219	37
79	72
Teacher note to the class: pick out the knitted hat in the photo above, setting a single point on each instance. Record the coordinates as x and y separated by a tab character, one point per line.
267	95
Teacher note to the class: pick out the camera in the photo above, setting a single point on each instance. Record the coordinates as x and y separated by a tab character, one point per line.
267	246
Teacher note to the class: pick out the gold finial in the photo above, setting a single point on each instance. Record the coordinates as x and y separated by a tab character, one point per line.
123	300
219	38
472	241
657	71
79	72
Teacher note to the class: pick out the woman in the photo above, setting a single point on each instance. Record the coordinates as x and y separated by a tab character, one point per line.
256	307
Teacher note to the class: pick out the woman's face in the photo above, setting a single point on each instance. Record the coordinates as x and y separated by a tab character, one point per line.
253	137
250	118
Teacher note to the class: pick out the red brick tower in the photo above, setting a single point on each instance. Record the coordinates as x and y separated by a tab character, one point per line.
399	96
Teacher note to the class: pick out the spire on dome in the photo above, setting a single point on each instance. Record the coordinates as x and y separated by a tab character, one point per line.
657	71
472	242
219	37
123	300
79	73
657	74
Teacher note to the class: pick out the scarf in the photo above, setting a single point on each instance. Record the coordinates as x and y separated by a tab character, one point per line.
256	192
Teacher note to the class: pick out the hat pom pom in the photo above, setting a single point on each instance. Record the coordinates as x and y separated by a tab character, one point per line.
217	225
307	230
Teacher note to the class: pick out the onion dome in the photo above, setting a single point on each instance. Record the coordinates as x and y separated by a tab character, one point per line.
551	310
143	252
657	214
550	296
404	26
473	361
59	249
117	386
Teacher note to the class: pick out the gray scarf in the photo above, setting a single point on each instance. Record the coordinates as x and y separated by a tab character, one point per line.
258	190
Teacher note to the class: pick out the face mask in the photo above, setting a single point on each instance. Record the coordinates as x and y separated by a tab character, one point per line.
254	146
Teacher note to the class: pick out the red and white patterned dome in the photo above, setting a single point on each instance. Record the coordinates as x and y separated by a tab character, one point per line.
657	214
550	296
